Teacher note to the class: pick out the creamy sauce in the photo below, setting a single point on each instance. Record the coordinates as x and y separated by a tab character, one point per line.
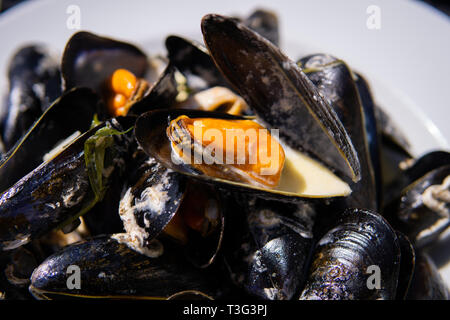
305	176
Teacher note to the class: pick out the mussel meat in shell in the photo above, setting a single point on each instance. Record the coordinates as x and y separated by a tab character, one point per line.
280	93
221	170
160	134
89	59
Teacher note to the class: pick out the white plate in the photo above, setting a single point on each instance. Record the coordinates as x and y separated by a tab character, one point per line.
406	60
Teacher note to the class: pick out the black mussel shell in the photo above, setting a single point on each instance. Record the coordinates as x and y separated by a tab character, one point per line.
152	196
334	80
110	269
390	132
72	112
407	265
161	95
412	170
155	194
279	92
34	83
206	201
422	210
194	62
267	245
265	23
89	59
358	259
59	190
372	130
427	283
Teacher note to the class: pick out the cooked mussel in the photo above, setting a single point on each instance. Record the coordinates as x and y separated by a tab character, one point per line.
267	246
357	259
427	283
89	59
194	62
152	196
117	71
34	83
280	93
335	81
245	156
422	211
412	169
264	22
158	201
49	131
372	130
110	269
65	186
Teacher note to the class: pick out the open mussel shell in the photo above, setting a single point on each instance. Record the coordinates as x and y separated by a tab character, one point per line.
427	282
110	269
205	203
155	194
89	59
63	188
192	59
411	170
152	197
34	83
279	92
334	80
161	94
267	246
151	135
358	259
77	105
422	210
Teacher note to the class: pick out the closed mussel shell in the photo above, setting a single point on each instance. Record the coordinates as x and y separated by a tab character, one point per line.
358	259
108	268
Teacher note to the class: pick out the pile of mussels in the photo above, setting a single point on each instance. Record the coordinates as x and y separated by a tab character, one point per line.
97	175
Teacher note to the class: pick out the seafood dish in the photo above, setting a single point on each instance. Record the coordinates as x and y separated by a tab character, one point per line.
220	169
